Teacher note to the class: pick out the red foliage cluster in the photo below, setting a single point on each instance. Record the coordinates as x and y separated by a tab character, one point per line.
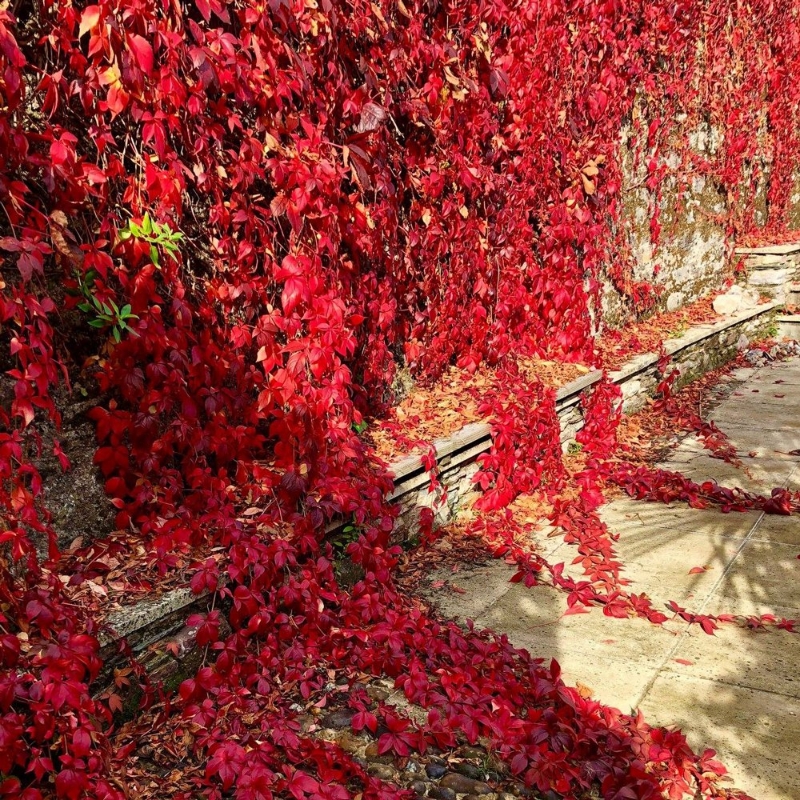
352	182
572	506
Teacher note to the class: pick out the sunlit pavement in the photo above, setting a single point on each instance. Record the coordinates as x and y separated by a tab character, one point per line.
737	691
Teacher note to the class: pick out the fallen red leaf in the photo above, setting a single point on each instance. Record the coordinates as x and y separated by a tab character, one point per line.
581	609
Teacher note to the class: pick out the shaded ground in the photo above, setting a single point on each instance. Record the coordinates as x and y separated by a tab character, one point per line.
737	691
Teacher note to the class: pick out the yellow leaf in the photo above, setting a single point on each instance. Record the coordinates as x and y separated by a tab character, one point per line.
89	19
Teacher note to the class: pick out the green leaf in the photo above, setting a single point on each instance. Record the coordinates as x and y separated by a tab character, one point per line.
135	229
85	307
147	224
97	323
124	235
154	256
117	335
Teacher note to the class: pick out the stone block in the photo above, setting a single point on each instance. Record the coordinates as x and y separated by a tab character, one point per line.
675	301
737	298
765	261
769	277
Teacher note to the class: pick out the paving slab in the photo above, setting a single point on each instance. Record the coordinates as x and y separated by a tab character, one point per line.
786	378
755	659
764	579
684	567
477	587
776	374
648	520
630	651
777	417
625	516
747	437
666	563
755	475
755	733
780	529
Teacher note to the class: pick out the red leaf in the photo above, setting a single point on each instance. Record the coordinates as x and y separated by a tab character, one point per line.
708	625
89	19
576	609
29	263
70	784
81	742
519	764
372	115
10	244
142	51
697	570
684	661
292	294
204	8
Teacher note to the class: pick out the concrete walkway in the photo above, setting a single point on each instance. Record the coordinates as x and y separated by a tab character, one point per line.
737	691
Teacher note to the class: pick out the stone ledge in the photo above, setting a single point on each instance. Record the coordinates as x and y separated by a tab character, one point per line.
769	249
635	366
700	332
130	619
570	393
408	466
146	626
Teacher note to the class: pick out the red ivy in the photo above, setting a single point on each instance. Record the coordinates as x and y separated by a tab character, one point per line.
355	182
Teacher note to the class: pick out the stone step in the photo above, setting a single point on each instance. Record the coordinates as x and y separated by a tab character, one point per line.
789	326
793	293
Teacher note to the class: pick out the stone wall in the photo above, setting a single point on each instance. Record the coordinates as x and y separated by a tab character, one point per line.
793	216
693	254
690	258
